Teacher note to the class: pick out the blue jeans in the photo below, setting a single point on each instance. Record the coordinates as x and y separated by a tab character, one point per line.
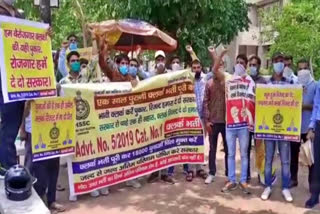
243	136
171	169
284	149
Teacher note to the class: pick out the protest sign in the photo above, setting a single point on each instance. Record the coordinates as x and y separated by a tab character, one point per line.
25	60
278	112
123	134
240	103
53	128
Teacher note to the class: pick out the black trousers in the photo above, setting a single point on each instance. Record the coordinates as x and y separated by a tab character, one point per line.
46	172
217	128
11	118
295	150
315	175
251	136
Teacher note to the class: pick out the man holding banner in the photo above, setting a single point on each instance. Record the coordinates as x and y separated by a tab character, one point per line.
240	98
283	142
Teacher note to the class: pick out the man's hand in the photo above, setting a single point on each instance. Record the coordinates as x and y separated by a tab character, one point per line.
65	45
310	135
212	50
23	134
49	32
189	48
139	49
209	127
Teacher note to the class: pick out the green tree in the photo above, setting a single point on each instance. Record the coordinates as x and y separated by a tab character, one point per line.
197	22
295	30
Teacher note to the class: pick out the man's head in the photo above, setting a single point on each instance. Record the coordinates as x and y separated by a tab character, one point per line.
288	61
122	61
196	68
175	63
303	64
73	42
278	63
83	63
241	65
133	67
254	65
304	73
73	59
160	59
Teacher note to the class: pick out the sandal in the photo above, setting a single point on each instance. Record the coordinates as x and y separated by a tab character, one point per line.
202	174
189	176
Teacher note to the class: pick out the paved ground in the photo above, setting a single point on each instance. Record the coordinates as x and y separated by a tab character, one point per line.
190	198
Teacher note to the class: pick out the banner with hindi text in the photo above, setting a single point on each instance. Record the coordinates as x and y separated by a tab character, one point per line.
53	128
25	60
278	112
124	133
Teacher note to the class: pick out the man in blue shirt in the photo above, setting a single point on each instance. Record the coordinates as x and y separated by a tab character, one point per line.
314	134
309	88
284	146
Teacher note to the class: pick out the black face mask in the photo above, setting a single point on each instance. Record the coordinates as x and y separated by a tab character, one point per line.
197	75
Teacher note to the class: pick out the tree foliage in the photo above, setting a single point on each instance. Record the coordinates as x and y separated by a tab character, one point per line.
197	22
297	28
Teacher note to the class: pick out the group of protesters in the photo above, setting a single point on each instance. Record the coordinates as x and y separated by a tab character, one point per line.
210	93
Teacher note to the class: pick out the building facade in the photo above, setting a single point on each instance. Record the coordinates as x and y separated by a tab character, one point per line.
250	42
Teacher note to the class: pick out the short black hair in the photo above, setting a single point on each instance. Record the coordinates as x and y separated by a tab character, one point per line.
135	60
288	57
277	55
304	61
72	53
175	57
120	57
243	57
72	35
256	58
84	61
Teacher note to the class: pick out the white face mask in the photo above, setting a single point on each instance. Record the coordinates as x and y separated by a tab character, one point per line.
239	70
304	77
287	72
9	2
175	67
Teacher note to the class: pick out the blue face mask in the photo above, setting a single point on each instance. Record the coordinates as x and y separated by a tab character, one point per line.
73	46
75	67
253	71
278	67
123	70
133	71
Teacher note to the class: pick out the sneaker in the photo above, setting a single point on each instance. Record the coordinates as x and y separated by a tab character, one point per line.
153	177
57	207
209	179
266	193
293	184
287	195
104	191
95	193
229	187
133	183
245	188
73	198
313	201
167	179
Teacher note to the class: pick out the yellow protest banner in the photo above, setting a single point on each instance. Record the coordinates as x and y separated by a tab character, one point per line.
278	112
125	133
53	128
25	60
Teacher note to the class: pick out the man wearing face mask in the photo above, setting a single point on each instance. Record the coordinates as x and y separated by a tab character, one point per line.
175	64
284	146
160	59
241	133
288	70
73	42
309	88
